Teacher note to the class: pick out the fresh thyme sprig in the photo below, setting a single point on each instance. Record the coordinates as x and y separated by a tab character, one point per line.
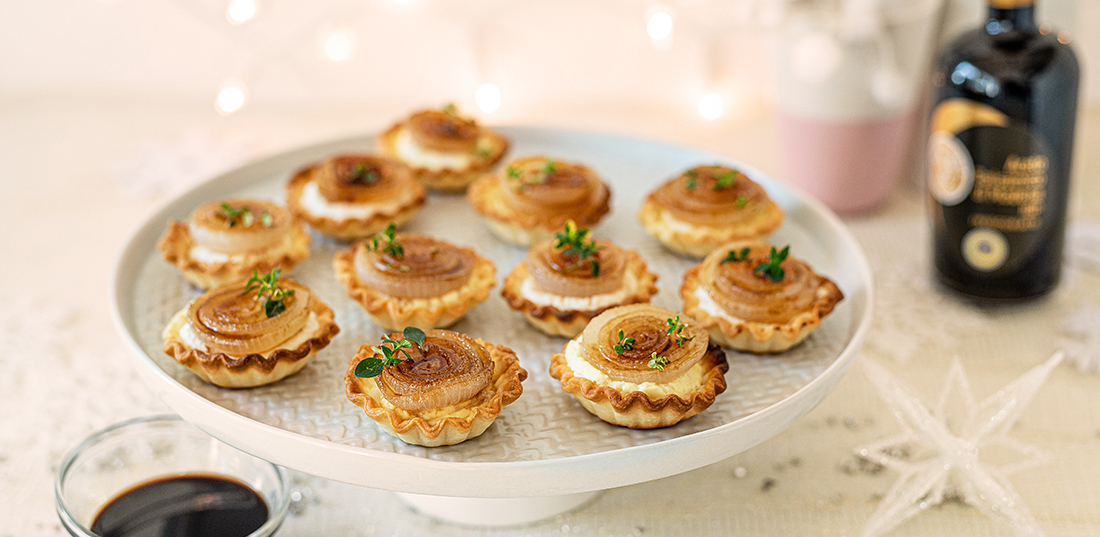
771	268
524	180
575	241
244	215
389	238
363	174
676	330
727	180
390	350
267	287
657	362
692	179
624	344
734	255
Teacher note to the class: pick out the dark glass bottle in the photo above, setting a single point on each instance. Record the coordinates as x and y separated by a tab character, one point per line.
1004	104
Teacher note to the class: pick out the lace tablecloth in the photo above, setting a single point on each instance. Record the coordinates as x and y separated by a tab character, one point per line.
64	374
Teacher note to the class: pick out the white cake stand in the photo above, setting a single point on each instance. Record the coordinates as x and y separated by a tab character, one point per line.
544	454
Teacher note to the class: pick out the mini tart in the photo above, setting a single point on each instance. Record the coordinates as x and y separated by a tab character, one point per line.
452	364
225	338
559	296
743	310
622	389
535	196
706	207
432	285
215	247
355	196
446	151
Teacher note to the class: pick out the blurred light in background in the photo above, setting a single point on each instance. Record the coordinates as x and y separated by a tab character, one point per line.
711	106
232	96
659	26
487	98
240	11
339	45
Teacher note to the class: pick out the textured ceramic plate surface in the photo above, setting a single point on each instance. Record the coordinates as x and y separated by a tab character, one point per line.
544	443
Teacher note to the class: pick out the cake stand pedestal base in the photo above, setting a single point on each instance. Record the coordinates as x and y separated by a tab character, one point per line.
494	511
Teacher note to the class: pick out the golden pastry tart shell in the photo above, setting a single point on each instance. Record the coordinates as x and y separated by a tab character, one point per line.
352	228
393	313
176	243
522	228
637	410
759	337
698	240
446	179
568	323
442	426
250	370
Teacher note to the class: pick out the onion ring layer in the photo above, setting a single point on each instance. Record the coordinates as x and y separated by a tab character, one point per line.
648	325
229	320
446	369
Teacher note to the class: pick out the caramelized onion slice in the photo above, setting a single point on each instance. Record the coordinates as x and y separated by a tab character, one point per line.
648	325
227	319
361	178
533	187
748	295
446	369
211	227
707	204
428	267
443	131
556	273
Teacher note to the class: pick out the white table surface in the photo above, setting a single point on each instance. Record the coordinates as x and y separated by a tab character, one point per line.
64	372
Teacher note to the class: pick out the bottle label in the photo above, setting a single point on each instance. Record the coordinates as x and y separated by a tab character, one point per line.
990	179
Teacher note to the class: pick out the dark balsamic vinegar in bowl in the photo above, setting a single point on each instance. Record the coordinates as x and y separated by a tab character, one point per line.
160	476
184	506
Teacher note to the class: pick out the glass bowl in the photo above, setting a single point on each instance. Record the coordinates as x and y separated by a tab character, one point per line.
128	454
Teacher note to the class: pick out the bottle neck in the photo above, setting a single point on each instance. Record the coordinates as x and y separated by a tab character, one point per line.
1009	15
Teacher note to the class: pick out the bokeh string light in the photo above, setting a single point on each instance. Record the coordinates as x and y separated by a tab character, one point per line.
335	40
241	11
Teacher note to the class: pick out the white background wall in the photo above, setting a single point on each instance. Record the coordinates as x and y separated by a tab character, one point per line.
420	52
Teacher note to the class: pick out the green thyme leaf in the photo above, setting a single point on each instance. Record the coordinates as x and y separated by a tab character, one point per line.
657	362
575	241
734	255
624	344
676	330
391	246
267	289
415	335
771	269
369	367
726	180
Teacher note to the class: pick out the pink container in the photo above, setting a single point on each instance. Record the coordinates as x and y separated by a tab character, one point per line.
848	96
850	166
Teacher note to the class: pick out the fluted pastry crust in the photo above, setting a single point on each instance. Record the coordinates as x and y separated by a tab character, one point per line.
440	426
525	228
397	212
176	244
636	409
254	369
754	336
393	313
697	239
449	179
568	323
